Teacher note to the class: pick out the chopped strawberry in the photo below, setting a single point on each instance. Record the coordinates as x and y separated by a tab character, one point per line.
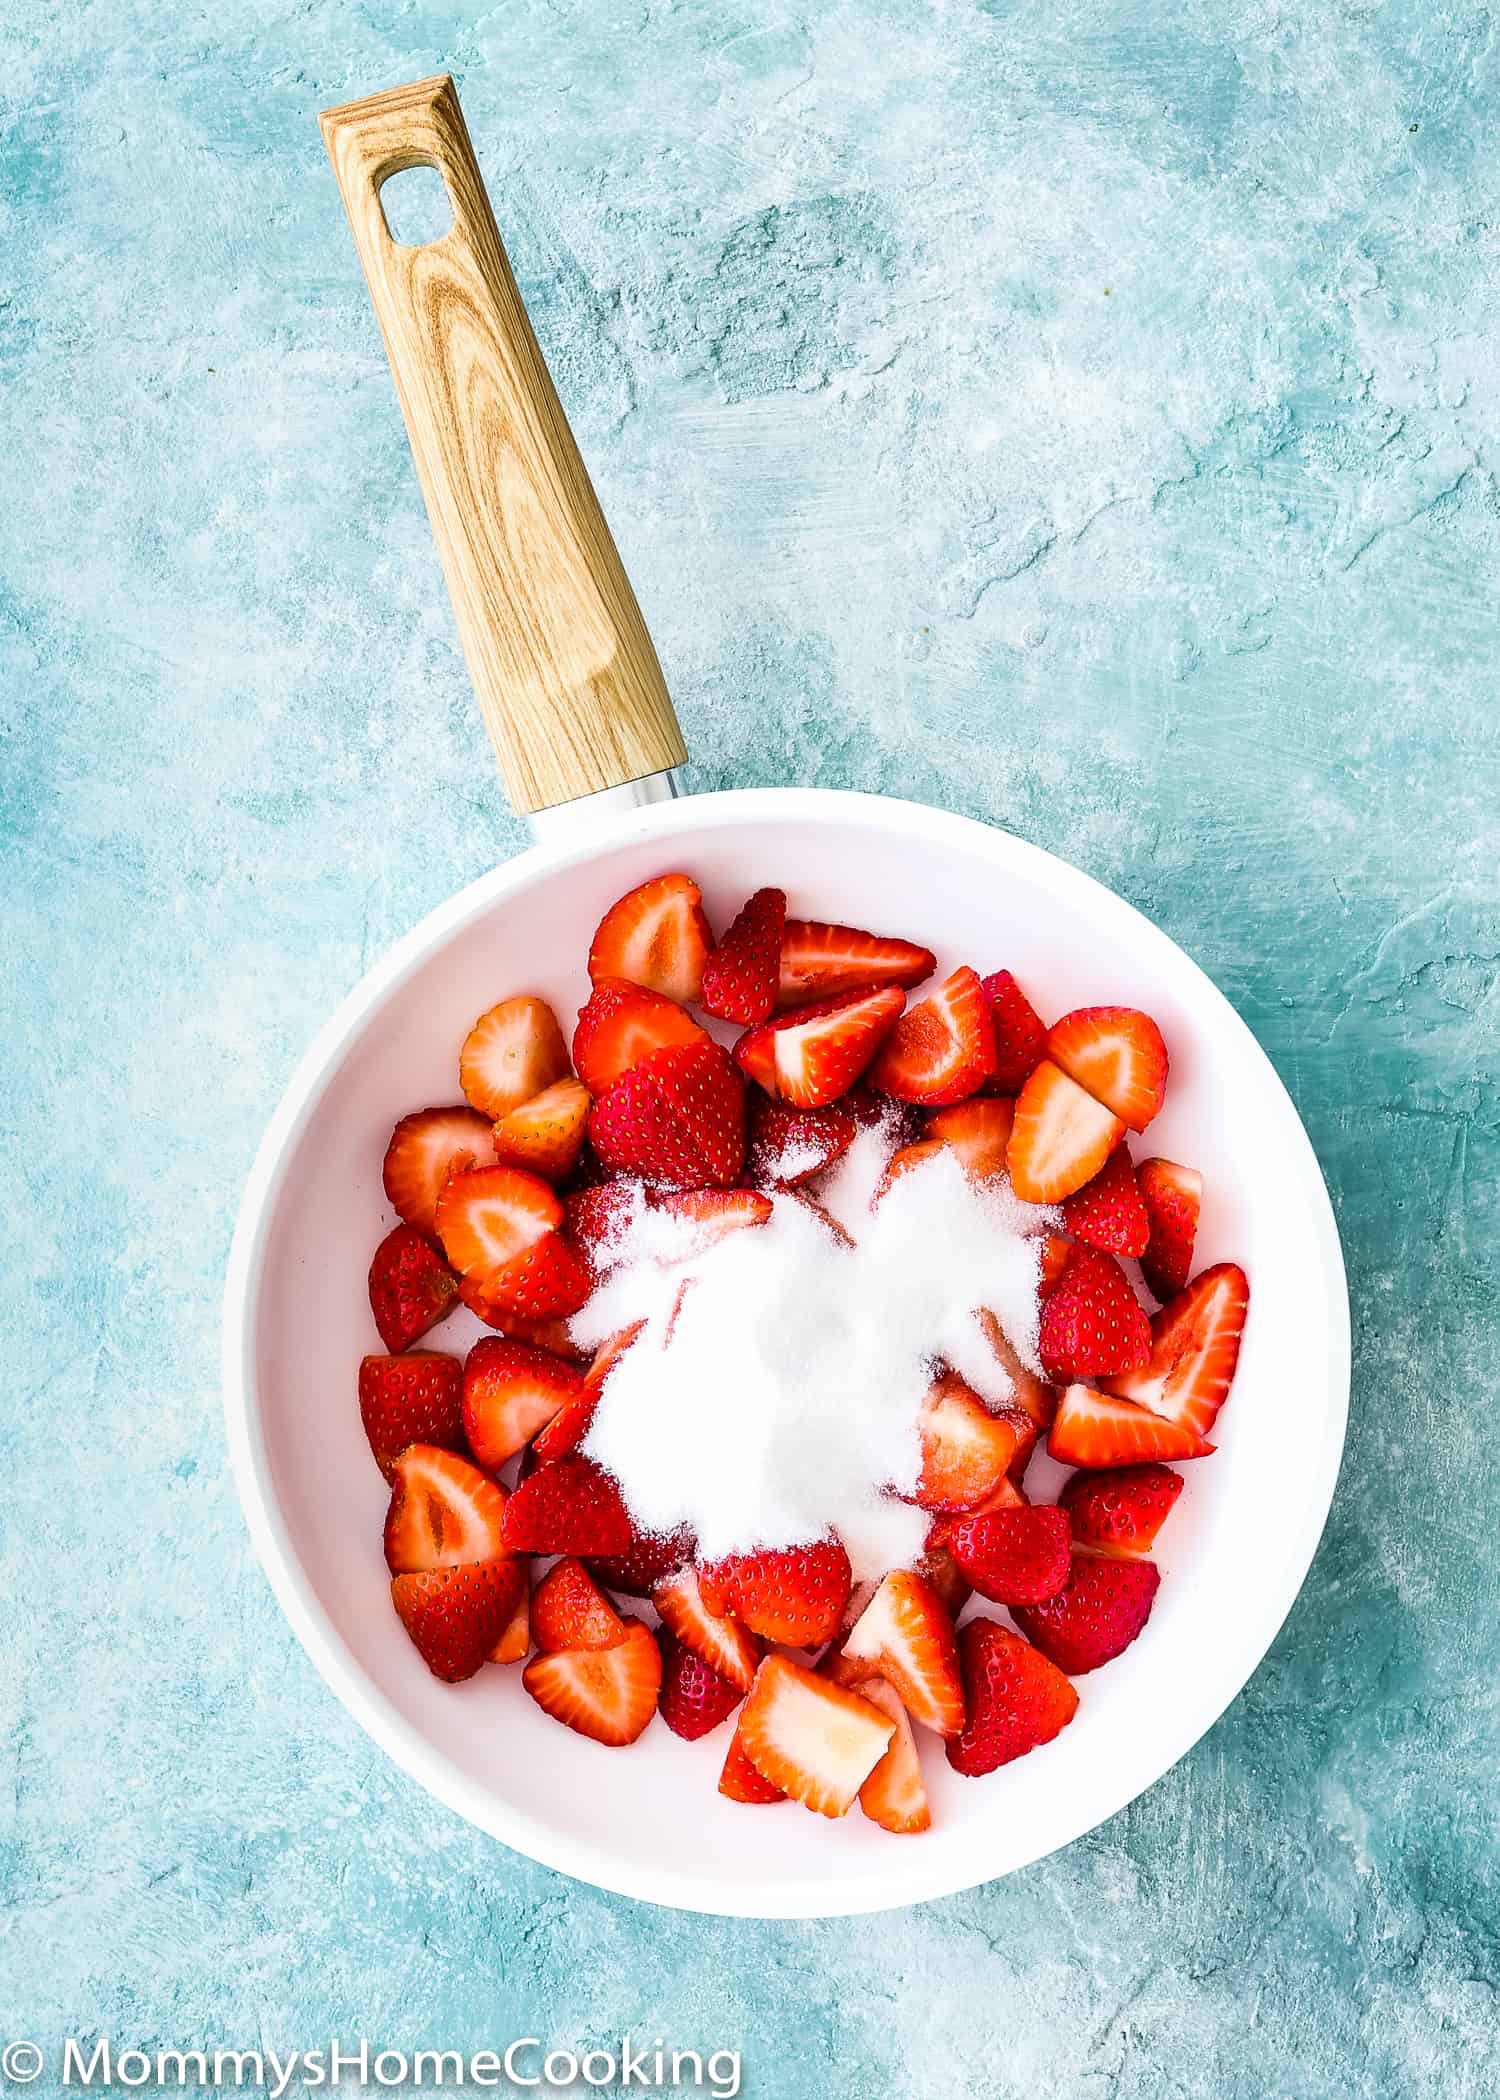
741	976
1020	1036
1092	1322
511	1390
424	1150
411	1288
810	1738
510	1055
567	1430
711	1215
1054	1255
609	1694
546	1134
727	1647
1173	1197
623	1023
811	1056
1108	1211
1095	1429
677	1119
1195	1346
739	1780
1116	1054
966	1450
978	1131
790	1145
905	1635
1012	1556
1017	1699
596	1220
821	962
1120	1512
656	936
569	1506
486	1216
943	1049
443	1512
794	1594
1060	1139
1032	1395
1096	1616
552	1335
647	1560
514	1644
456	1616
694	1697
894	1795
549	1281
412	1399
937	1566
569	1610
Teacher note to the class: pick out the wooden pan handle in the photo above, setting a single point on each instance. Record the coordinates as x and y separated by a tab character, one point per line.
567	679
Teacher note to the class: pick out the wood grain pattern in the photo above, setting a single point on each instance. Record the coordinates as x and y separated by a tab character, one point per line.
564	670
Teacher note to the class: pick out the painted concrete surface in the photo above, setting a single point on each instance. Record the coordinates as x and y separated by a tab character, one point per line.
1083	418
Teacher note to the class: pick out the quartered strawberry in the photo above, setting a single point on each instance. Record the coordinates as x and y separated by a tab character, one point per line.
894	1796
726	1646
412	1399
1012	1556
1032	1395
510	1391
978	1131
1195	1346
741	976
1095	1429
456	1616
443	1513
1060	1138
655	935
1092	1322
424	1150
411	1288
569	1610
1173	1197
819	961
905	1635
546	1134
794	1594
622	1023
596	1219
812	1055
569	1506
676	1119
811	1738
608	1694
1020	1035
487	1216
549	1281
514	1644
1096	1616
739	1780
1120	1512
1109	1211
567	1430
966	1450
710	1215
942	1049
1116	1054
511	1054
647	1560
788	1146
694	1697
1017	1700
1054	1253
551	1335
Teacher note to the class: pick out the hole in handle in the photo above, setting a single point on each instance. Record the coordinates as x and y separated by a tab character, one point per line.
415	205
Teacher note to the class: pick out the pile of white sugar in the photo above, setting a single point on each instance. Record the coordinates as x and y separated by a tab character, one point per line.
774	1392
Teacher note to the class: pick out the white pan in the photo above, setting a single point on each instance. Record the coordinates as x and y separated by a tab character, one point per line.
574	699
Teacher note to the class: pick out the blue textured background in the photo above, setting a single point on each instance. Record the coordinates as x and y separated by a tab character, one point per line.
1083	417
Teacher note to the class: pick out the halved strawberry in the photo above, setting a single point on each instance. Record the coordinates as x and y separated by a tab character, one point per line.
411	1288
739	1780
569	1610
551	1335
941	1050
811	1056
655	935
905	1635
819	961
424	1150
546	1134
711	1215
1017	1699
966	1450
677	1119
1092	1322
622	1023
741	976
1115	1053
1096	1616
549	1281
1195	1346
694	1697
788	1146
608	1694
1173	1197
794	1594
1095	1429
811	1738
514	1644
443	1513
727	1647
1020	1034
487	1216
894	1795
1120	1512
1108	1211
1032	1395
456	1616
1060	1138
512	1053
649	1558
1012	1556
412	1399
568	1506
511	1390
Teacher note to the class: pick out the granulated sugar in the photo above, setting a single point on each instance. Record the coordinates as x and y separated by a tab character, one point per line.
776	1397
